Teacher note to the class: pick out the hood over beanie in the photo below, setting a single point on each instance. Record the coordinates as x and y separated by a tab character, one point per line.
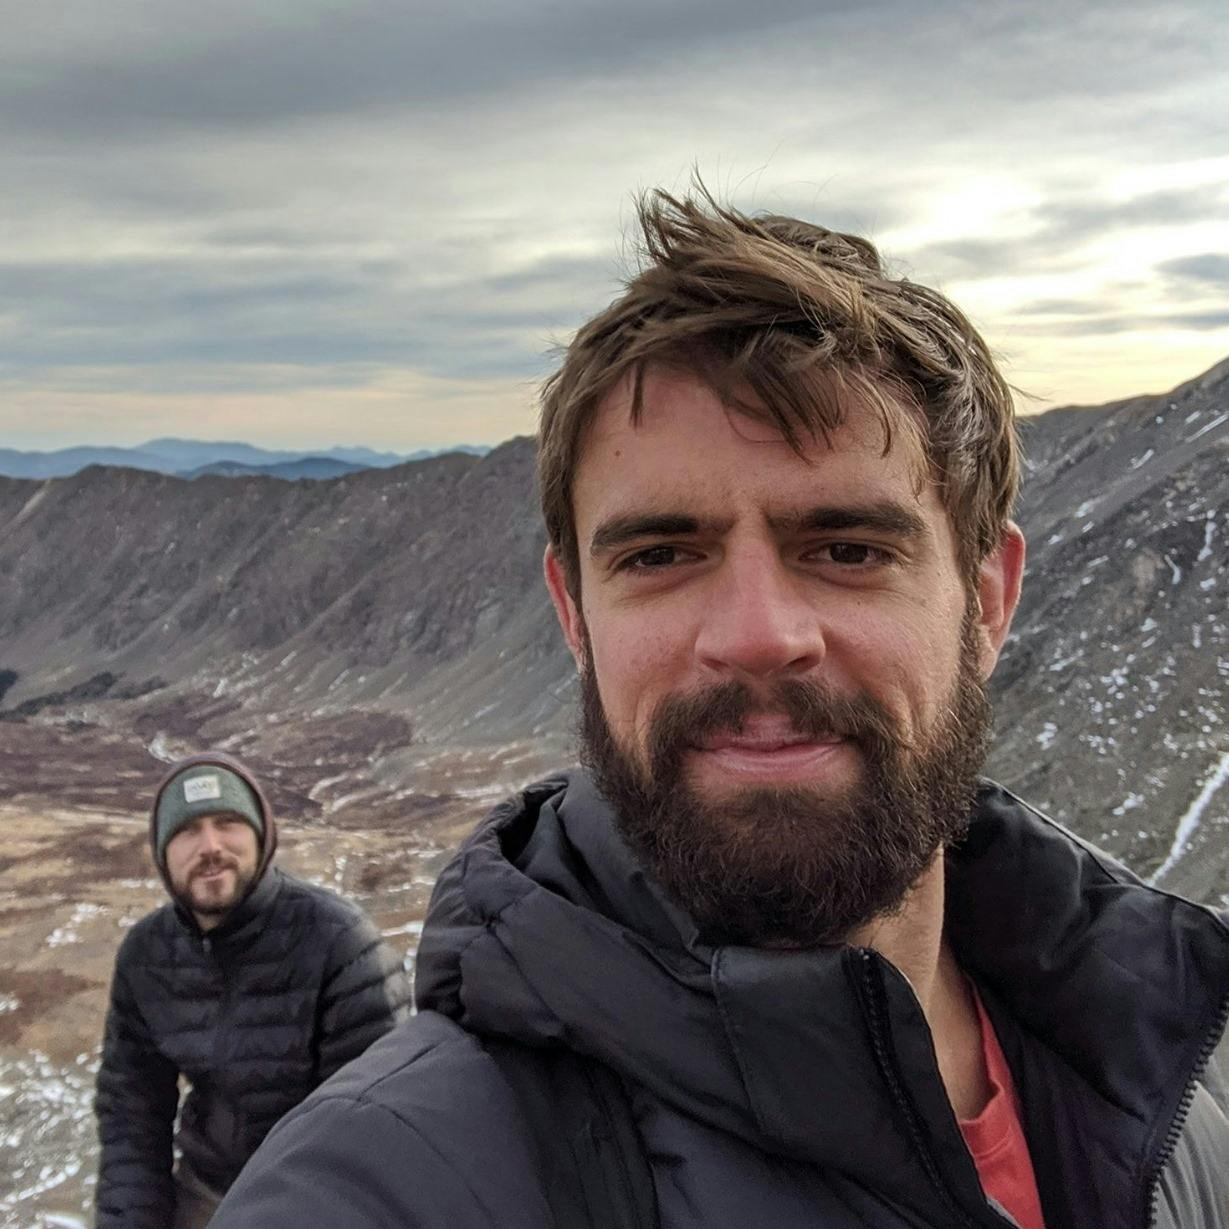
209	784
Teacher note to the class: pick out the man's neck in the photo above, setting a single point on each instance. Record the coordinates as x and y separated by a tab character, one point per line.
913	940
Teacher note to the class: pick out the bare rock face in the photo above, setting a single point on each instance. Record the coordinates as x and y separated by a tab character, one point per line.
1111	696
347	626
280	595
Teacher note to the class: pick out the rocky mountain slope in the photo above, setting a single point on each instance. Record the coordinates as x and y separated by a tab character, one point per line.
1113	693
402	609
306	467
336	632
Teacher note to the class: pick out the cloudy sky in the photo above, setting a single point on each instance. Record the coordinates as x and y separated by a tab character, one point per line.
311	222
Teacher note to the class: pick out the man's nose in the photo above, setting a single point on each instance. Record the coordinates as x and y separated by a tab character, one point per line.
210	841
761	618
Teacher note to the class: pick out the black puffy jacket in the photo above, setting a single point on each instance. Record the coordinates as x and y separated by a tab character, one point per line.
772	1089
294	983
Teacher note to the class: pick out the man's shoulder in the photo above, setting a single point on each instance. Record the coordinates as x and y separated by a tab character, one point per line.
322	905
1002	816
397	1126
430	1078
159	925
425	1054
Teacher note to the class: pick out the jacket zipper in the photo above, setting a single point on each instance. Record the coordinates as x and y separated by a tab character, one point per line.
207	947
1152	1188
876	999
210	950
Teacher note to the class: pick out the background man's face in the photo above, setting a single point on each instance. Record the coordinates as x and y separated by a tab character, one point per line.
779	636
211	861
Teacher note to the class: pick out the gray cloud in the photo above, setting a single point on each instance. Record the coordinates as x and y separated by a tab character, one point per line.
1050	236
271	68
274	312
1103	324
184	67
1069	219
1206	269
1213	319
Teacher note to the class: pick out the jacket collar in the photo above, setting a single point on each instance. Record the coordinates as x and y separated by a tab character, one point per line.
546	931
1122	980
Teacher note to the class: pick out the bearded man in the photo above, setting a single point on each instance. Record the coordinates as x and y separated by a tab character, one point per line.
779	956
250	984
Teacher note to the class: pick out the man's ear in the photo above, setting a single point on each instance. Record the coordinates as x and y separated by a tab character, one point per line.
998	592
568	612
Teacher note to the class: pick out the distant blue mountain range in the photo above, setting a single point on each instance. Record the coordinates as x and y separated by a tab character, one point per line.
191	458
308	467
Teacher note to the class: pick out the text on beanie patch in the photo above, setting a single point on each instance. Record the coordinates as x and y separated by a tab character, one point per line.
199	789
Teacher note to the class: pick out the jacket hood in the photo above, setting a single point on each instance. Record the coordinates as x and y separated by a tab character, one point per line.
268	844
545	930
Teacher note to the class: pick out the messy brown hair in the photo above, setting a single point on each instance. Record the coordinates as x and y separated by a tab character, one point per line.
791	323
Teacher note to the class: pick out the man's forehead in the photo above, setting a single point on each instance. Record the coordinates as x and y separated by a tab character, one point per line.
674	399
686	443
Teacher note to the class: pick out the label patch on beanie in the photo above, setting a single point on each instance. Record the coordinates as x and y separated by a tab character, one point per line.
200	789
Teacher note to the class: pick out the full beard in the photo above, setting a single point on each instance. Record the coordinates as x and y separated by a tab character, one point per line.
793	866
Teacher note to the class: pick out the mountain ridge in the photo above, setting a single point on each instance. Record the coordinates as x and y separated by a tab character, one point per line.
413	594
178	456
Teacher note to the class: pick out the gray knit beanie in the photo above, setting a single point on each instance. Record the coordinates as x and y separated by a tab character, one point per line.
204	789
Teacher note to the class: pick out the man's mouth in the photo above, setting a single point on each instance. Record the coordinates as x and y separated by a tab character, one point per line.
769	748
212	873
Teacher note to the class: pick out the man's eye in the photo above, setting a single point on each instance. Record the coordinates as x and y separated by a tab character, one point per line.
649	558
849	552
852	554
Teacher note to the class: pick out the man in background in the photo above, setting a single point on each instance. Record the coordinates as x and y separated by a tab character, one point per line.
779	957
249	983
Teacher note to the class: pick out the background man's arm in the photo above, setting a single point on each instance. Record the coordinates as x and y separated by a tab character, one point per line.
135	1101
366	991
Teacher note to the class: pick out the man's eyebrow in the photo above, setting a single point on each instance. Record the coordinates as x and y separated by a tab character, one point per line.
621	529
887	517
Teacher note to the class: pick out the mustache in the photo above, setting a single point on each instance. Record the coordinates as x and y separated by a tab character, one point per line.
815	710
214	862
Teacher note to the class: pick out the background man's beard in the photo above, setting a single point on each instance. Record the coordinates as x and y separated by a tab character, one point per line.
792	866
207	904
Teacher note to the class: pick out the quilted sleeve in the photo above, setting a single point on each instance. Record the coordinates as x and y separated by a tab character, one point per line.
135	1101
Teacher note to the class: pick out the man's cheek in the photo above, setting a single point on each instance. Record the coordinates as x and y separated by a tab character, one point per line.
630	681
